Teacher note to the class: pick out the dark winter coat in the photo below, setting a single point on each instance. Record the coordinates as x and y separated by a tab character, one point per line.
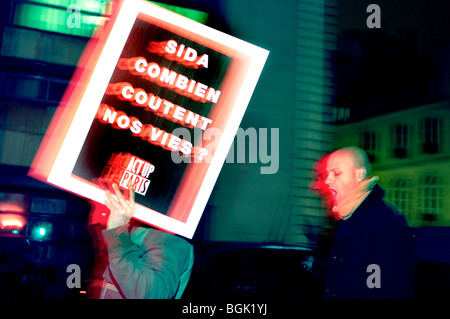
373	253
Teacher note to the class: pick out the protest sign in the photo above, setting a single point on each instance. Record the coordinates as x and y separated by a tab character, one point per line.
157	101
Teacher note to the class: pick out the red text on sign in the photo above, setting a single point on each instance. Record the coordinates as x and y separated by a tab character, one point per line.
179	53
179	83
161	107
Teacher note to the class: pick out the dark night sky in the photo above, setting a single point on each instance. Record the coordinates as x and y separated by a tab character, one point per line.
431	18
394	67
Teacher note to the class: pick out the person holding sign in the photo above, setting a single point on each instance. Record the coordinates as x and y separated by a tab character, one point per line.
143	262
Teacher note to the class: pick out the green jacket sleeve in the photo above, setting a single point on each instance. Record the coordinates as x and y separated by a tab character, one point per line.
151	270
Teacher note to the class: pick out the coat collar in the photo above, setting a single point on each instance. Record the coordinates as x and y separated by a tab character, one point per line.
347	228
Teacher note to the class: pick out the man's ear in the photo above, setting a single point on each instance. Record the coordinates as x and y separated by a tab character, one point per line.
361	174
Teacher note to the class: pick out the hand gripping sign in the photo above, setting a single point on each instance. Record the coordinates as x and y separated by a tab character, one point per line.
145	86
124	168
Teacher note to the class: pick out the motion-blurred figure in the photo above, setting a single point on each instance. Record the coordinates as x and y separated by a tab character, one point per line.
142	262
372	255
318	183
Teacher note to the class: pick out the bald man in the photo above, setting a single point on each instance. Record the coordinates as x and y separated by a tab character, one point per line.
372	255
347	172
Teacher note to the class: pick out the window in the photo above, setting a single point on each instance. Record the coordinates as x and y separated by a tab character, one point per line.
400	194
400	134
432	135
430	198
368	143
18	85
342	114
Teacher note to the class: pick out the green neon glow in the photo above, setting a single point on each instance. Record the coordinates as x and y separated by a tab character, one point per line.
92	6
56	20
41	231
195	15
77	17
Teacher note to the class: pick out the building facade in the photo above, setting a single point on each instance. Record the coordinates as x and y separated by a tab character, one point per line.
410	152
292	99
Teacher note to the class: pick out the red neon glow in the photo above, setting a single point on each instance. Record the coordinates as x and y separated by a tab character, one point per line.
12	220
164	77
178	53
16	223
164	108
9	207
318	184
